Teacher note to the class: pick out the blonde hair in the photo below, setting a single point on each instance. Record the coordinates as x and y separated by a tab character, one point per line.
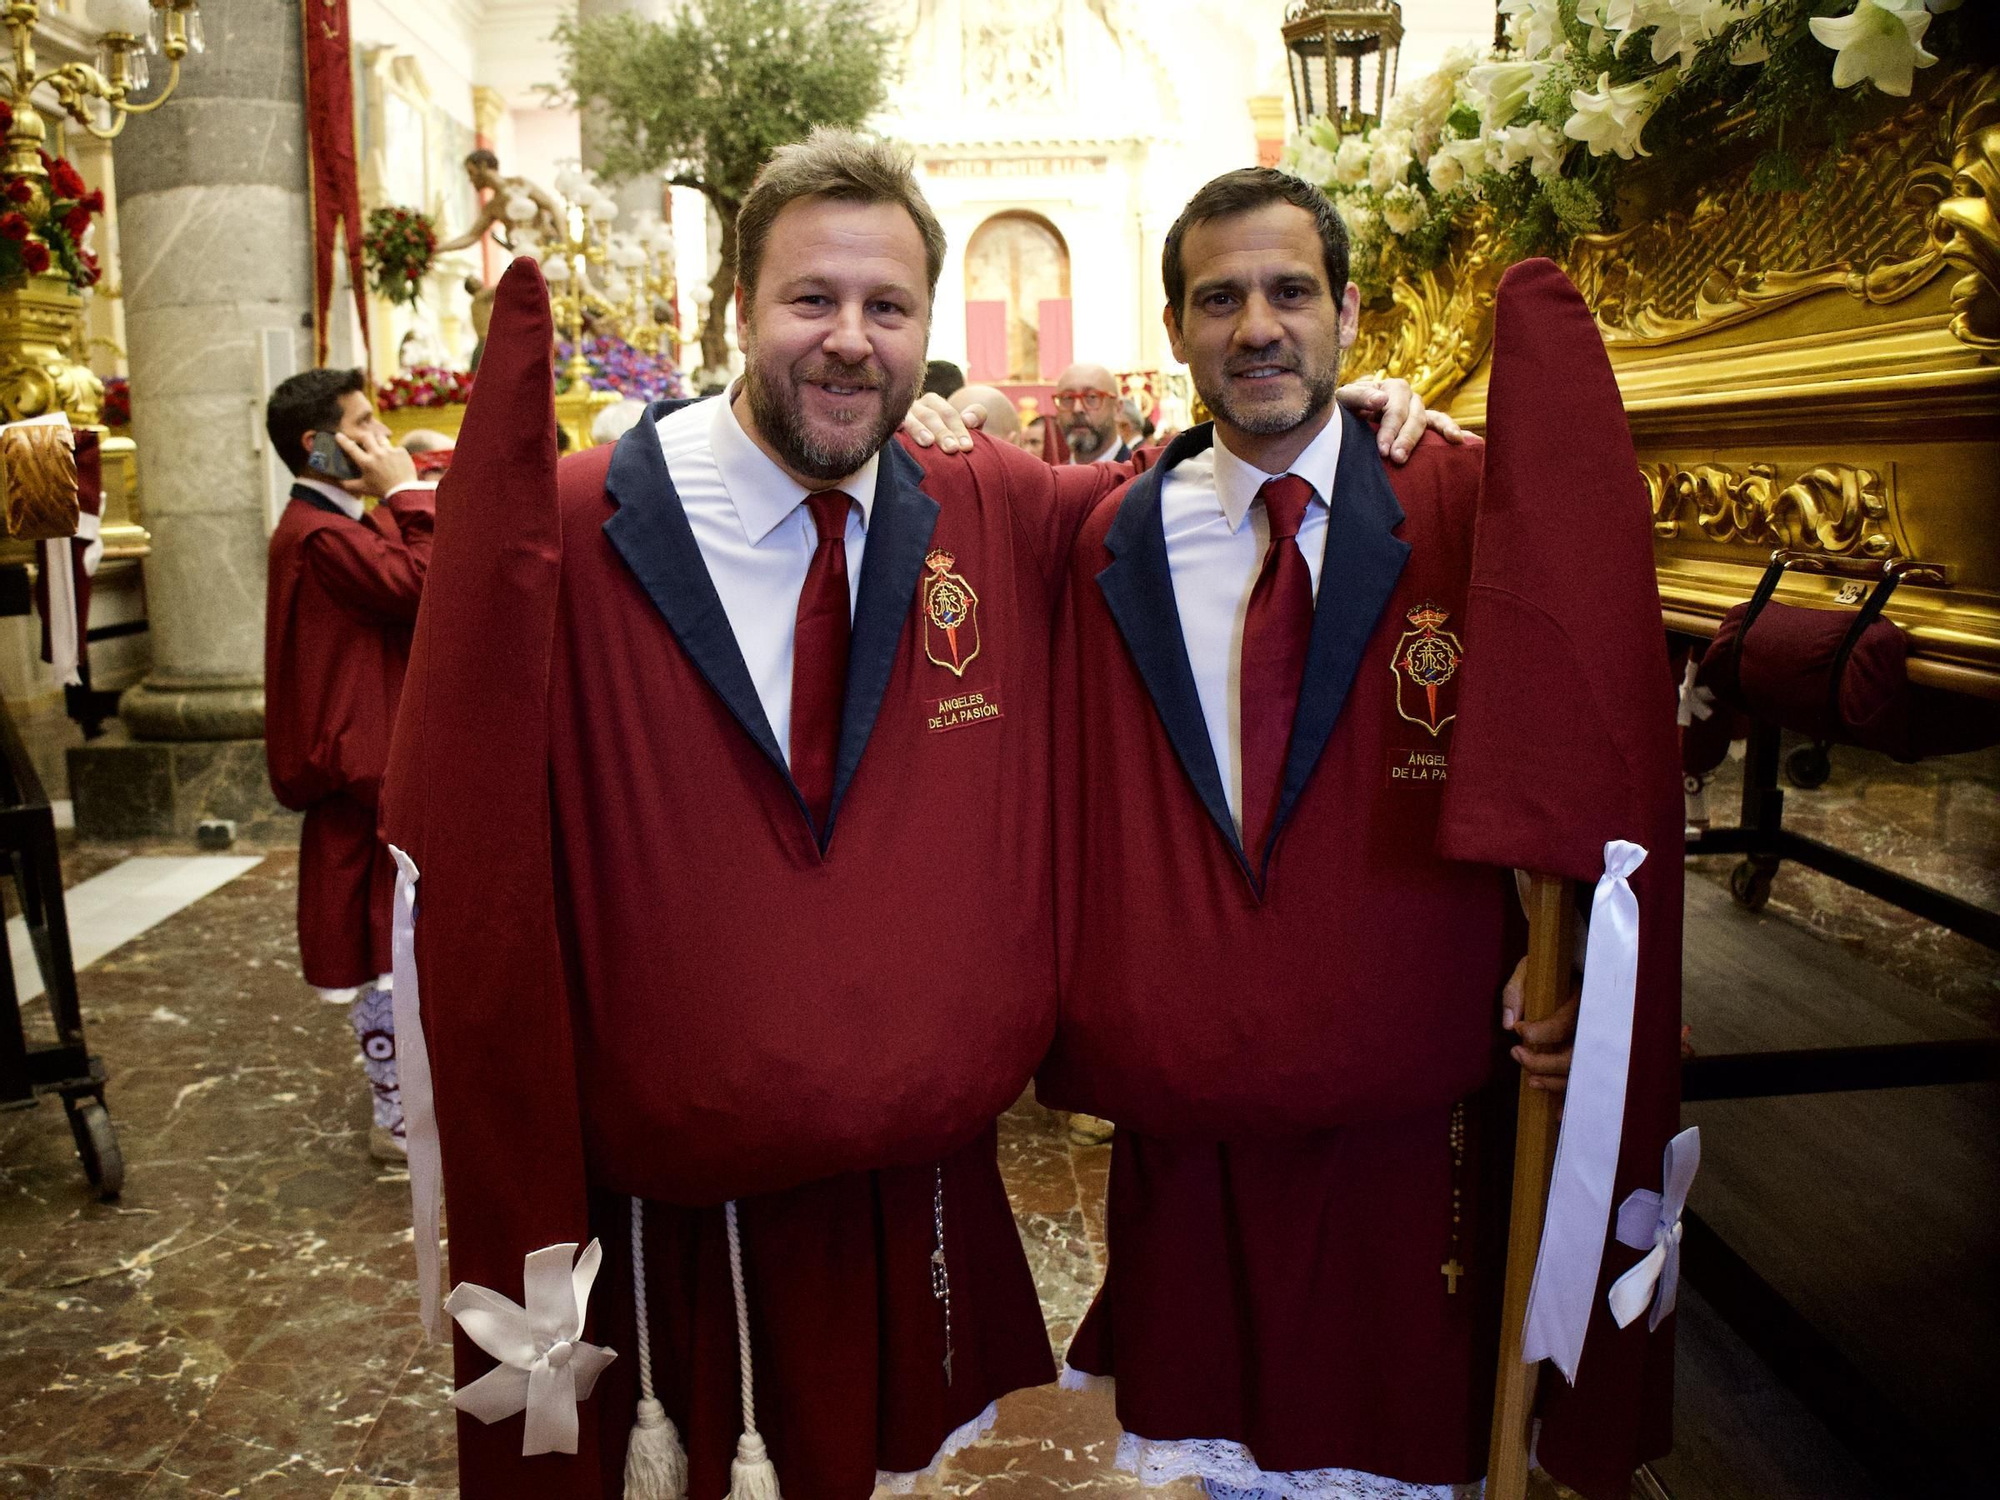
843	165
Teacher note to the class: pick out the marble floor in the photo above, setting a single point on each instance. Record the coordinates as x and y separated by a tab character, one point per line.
243	1320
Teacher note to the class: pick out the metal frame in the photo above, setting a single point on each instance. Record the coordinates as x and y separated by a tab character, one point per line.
63	1067
1764	838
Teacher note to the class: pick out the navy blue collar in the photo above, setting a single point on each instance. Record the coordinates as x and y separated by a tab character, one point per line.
318	501
1362	561
651	533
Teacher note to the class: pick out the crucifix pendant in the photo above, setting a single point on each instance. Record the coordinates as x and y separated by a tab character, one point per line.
1451	1270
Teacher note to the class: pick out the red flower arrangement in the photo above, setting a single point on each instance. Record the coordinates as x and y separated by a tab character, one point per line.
425	385
117	401
46	225
398	247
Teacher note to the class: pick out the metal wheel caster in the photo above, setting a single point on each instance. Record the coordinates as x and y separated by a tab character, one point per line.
1750	884
1808	766
97	1146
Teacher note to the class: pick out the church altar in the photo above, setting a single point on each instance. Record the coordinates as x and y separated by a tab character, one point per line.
1826	384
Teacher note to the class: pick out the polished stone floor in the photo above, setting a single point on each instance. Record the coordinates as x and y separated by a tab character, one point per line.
242	1321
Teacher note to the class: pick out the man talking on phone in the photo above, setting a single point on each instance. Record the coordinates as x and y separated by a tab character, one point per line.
340	607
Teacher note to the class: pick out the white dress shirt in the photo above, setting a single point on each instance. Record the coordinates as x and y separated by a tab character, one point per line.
351	504
757	539
1217	534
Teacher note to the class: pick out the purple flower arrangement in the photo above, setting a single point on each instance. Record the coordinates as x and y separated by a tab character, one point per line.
616	366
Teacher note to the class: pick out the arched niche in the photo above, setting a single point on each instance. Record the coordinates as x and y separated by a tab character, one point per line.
1017	308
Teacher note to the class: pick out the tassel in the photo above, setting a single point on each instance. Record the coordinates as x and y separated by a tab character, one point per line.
752	1475
656	1466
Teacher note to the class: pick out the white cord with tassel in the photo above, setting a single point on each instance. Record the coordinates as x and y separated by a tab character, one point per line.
656	1465
752	1476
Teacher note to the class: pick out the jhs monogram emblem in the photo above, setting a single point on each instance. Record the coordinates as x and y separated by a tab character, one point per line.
951	615
1425	663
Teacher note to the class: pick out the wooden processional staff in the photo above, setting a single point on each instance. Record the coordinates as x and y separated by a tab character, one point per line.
1546	985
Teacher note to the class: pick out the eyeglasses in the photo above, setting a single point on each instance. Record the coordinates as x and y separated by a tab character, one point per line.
1092	401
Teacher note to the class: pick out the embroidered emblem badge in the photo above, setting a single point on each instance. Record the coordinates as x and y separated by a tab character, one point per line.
951	615
1425	663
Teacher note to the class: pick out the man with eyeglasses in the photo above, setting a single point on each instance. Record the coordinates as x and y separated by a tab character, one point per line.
1086	402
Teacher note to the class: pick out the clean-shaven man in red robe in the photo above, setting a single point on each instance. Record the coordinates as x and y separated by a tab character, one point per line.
1270	981
341	601
724	776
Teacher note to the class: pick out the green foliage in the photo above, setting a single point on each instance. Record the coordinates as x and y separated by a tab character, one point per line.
1576	208
705	96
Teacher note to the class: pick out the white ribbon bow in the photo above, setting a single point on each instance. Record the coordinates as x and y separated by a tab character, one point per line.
1647	1218
413	1075
545	1367
1572	1251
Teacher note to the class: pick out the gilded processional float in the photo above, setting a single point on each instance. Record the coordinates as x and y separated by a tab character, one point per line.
1785	224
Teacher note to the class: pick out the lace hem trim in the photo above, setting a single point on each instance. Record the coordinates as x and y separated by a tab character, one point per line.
1231	1472
905	1482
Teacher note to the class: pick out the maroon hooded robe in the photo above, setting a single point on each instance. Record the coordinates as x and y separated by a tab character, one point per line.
643	974
341	602
1306	1247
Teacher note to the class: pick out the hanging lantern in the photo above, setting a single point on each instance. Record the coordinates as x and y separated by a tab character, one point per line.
1342	59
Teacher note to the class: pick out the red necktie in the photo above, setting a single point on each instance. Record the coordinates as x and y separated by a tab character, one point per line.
819	657
1276	633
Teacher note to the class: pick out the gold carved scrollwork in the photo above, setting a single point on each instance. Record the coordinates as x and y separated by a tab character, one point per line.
1908	198
1836	509
37	373
1440	324
1963	199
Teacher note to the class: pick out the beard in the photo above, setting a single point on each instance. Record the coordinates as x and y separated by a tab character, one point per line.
1269	417
1085	441
815	451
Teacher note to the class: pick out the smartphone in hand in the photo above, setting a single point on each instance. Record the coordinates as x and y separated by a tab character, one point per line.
328	461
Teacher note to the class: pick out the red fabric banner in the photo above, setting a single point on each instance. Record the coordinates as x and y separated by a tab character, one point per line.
986	340
336	176
1056	337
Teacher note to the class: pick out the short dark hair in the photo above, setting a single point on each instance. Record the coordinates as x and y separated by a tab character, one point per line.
942	377
307	402
483	158
1239	192
843	165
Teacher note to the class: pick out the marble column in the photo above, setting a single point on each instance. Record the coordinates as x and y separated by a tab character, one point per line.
215	266
216	256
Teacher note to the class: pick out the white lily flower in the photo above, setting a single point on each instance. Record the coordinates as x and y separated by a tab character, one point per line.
1539	24
1626	16
1612	119
1500	89
1314	164
1880	41
545	1366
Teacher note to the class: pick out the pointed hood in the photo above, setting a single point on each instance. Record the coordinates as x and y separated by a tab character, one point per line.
1570	676
467	800
1564	762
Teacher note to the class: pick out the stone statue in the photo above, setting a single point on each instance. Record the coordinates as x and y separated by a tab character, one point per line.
483	168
